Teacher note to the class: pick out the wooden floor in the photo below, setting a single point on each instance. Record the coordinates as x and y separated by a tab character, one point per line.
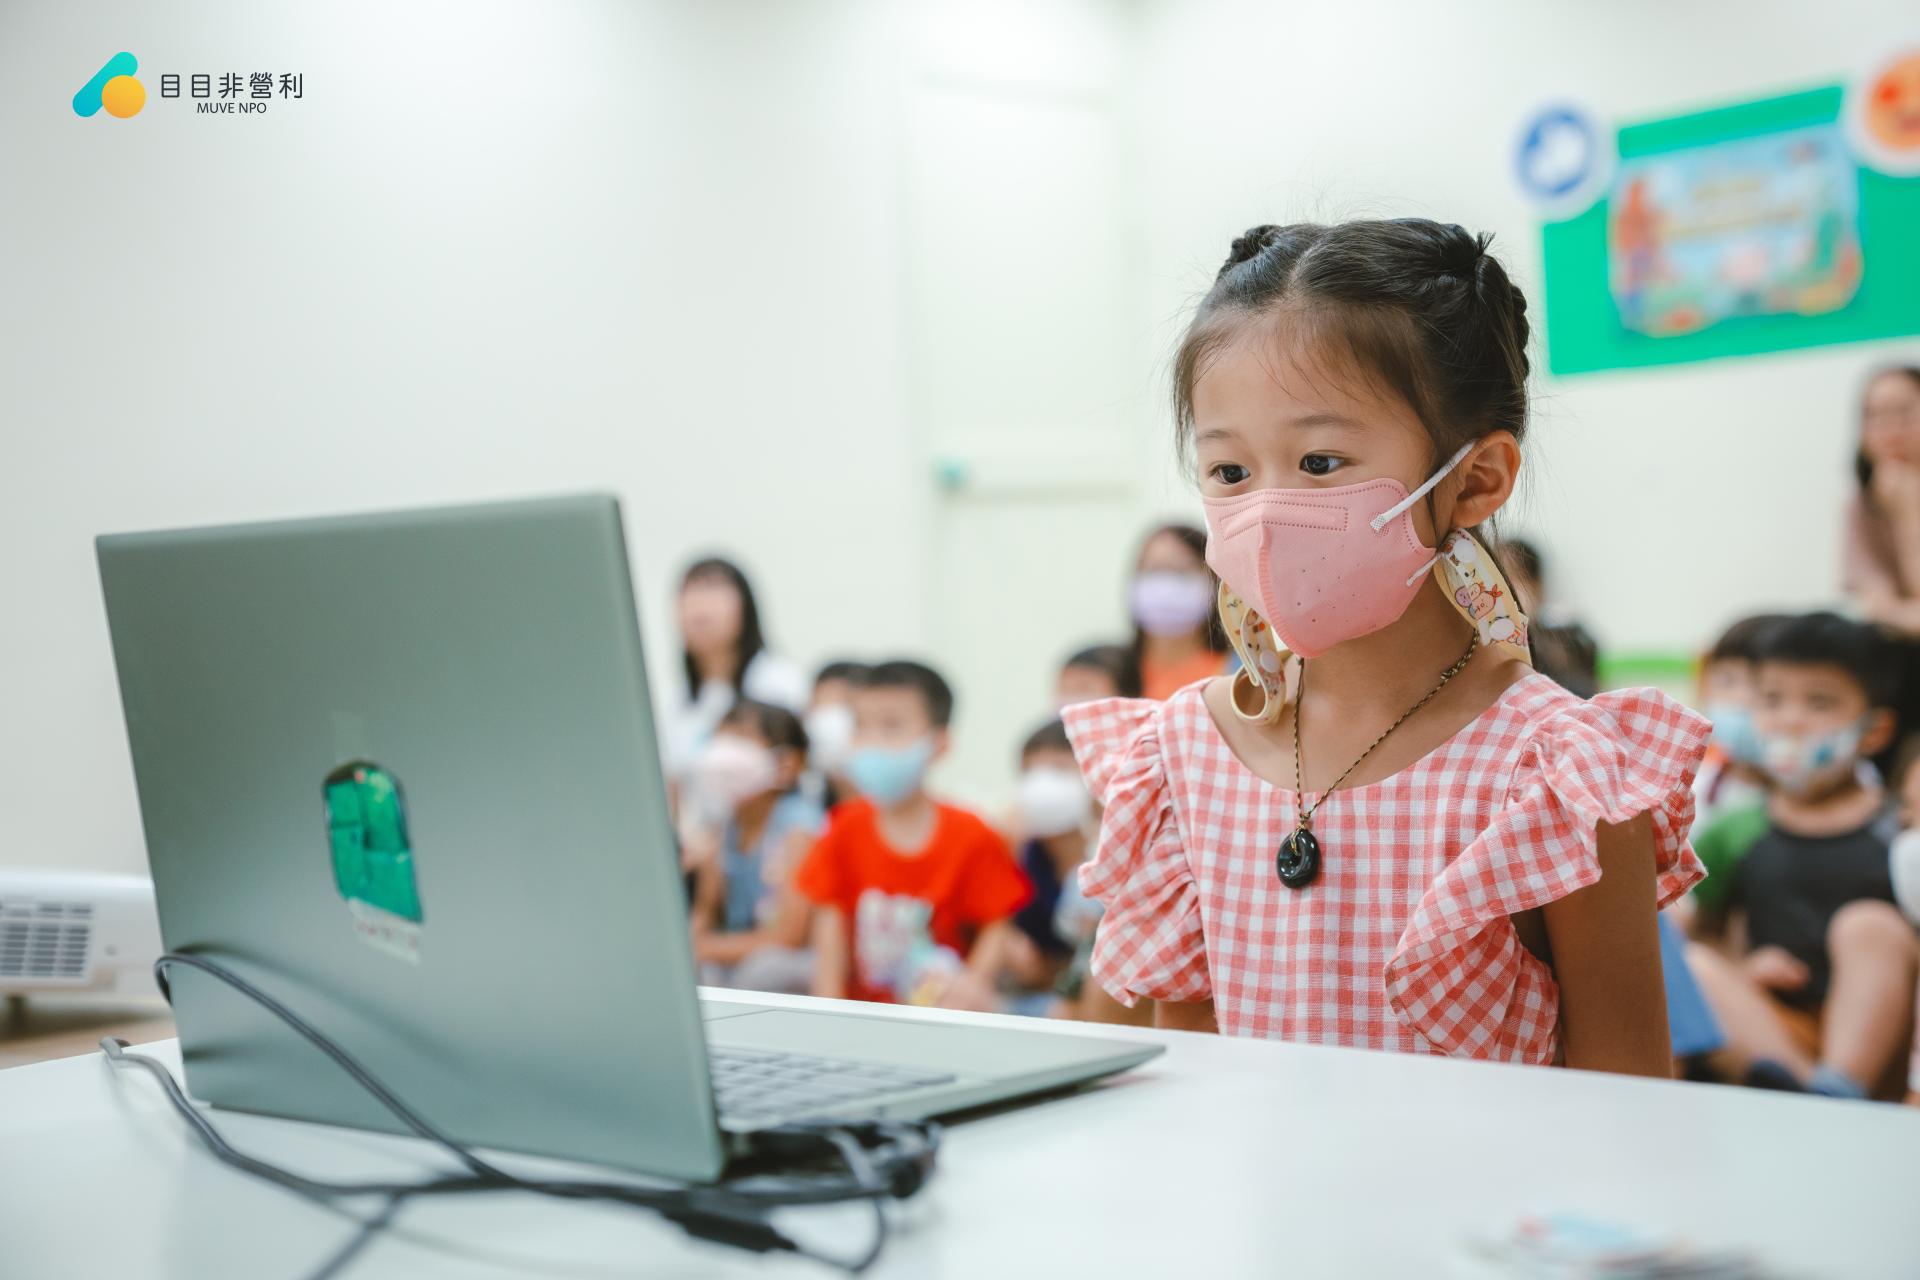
43	1028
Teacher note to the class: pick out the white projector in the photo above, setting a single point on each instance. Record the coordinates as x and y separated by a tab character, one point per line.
76	931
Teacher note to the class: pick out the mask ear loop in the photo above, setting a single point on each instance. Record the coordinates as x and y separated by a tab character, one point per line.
1405	504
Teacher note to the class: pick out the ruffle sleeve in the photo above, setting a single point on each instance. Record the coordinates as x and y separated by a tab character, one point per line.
1149	942
1460	976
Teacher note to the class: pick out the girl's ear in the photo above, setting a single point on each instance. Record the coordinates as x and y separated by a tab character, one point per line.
1487	476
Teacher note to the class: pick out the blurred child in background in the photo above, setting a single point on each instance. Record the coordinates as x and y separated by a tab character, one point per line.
1814	975
749	926
1730	778
1730	791
1562	647
1177	636
1097	671
914	897
829	726
1054	812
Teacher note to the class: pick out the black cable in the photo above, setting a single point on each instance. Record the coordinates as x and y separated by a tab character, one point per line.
369	1228
732	1213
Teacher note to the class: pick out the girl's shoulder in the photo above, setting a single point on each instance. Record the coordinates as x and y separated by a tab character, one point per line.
1111	734
1633	726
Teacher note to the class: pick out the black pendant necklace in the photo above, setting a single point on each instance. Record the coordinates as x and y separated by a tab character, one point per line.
1298	861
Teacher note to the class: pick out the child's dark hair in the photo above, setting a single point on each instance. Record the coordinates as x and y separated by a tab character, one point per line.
1744	640
777	726
752	639
1113	661
1214	632
840	669
1862	464
1051	736
1829	640
1418	304
1523	557
900	673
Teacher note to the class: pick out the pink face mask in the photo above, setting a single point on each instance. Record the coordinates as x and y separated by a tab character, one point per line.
1323	566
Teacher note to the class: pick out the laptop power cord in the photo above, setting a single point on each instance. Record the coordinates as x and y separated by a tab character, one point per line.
870	1161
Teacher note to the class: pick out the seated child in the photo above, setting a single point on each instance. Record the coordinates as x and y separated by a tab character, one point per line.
1098	671
1563	648
1054	812
829	726
749	925
915	897
1814	980
1730	791
1730	778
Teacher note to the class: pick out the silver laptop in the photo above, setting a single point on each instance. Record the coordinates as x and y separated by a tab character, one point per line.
400	771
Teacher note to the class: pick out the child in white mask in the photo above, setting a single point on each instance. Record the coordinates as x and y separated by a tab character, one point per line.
749	924
1054	815
829	725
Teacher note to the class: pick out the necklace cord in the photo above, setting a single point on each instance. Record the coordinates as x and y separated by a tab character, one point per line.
1299	703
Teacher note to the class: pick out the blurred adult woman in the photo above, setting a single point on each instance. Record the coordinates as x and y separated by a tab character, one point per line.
1177	637
1883	520
724	657
1882	566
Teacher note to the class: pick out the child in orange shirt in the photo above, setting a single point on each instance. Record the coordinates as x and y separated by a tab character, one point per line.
915	896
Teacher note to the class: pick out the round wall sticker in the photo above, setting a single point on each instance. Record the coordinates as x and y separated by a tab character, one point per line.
1563	159
1882	112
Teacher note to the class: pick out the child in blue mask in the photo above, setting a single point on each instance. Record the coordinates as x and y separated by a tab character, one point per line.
1730	791
914	896
1814	968
1730	778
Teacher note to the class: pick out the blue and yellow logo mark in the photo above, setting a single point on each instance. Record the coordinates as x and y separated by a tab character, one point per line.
114	88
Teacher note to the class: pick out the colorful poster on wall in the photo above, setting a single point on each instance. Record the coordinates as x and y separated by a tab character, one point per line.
1787	222
1764	226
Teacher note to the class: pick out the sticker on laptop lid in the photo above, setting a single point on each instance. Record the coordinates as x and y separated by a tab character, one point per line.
372	857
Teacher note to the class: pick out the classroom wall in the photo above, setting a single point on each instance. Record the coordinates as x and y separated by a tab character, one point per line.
701	255
875	297
1667	501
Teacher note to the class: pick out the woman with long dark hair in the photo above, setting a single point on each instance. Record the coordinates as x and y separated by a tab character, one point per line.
1177	636
1883	521
1883	527
724	658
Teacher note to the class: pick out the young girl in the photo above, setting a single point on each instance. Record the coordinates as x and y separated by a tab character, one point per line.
1386	830
749	925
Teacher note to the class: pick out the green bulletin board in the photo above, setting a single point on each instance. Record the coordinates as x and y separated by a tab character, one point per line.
1876	293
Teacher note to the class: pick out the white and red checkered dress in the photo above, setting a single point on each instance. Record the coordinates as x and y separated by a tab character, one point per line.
1404	940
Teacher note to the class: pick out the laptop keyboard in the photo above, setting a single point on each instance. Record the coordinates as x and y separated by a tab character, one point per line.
758	1086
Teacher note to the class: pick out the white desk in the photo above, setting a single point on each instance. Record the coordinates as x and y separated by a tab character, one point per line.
1223	1158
